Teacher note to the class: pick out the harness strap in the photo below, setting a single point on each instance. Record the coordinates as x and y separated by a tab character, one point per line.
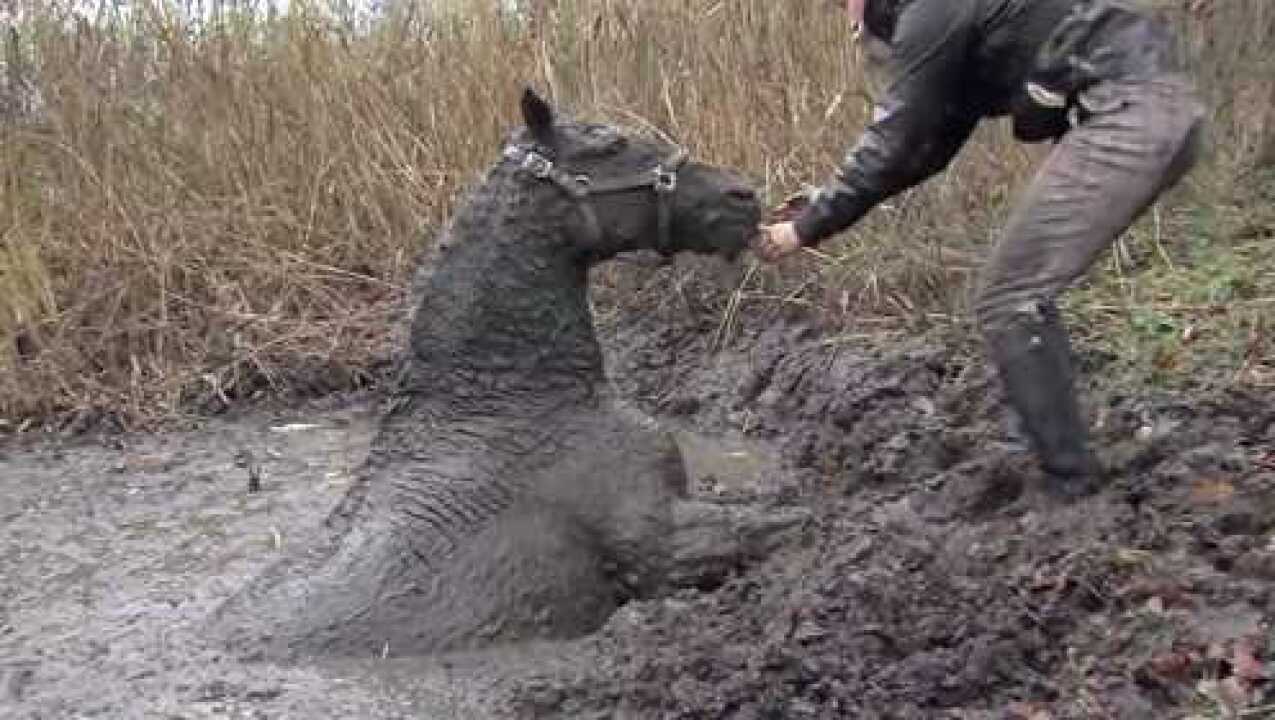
662	180
665	189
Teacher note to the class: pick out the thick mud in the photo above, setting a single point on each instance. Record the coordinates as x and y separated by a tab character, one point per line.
946	580
115	549
942	579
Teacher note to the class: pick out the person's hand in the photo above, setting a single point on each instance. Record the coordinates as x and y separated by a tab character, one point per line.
790	208
776	241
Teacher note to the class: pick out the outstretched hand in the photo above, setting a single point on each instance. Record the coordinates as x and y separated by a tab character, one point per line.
776	241
779	237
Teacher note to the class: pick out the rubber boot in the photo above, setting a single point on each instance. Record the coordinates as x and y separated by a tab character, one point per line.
1033	357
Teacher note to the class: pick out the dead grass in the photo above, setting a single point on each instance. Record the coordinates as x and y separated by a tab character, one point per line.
201	213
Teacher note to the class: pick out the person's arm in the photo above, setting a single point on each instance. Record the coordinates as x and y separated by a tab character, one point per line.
918	127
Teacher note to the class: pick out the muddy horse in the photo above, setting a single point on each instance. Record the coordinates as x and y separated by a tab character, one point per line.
506	496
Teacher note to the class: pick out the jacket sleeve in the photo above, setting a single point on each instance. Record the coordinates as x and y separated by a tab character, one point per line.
915	131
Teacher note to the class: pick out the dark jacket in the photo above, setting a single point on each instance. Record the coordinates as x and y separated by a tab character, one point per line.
951	63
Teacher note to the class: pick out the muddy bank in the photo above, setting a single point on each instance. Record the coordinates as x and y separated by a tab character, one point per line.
939	580
945	581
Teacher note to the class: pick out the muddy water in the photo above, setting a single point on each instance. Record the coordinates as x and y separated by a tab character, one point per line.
111	554
726	464
940	583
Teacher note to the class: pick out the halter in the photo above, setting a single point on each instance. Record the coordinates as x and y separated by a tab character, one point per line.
661	180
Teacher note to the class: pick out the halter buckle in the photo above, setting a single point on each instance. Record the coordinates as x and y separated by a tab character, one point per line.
665	180
537	164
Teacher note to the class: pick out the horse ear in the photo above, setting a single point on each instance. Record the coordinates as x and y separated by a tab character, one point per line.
538	116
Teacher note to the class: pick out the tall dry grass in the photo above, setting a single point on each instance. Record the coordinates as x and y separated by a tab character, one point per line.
201	212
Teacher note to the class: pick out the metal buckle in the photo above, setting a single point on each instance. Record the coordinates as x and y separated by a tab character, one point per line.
537	164
665	180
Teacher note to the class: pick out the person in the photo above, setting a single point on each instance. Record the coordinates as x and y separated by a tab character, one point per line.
1101	79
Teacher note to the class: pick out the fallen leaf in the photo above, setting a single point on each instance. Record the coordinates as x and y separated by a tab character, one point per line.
1245	665
1178	665
146	463
1166	359
1267	462
1170	593
1211	491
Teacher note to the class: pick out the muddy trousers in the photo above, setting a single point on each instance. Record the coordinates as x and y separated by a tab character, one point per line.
1137	140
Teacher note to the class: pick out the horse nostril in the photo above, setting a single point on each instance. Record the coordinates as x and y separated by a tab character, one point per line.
741	193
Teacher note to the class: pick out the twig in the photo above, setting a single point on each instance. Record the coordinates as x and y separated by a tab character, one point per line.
1159	246
721	336
853	337
777	298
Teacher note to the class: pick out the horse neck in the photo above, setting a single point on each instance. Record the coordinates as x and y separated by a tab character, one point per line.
503	323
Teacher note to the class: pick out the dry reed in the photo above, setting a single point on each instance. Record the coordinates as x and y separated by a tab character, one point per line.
193	213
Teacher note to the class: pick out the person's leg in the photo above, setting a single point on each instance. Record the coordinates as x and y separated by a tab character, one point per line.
1100	177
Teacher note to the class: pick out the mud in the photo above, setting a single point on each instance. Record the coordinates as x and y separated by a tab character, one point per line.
946	580
115	549
941	580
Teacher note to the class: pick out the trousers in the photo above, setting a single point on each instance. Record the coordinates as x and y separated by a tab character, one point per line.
1136	139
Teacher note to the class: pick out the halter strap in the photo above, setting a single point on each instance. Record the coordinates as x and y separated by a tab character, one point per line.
662	180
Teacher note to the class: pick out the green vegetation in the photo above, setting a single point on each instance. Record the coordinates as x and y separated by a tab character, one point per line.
1196	311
